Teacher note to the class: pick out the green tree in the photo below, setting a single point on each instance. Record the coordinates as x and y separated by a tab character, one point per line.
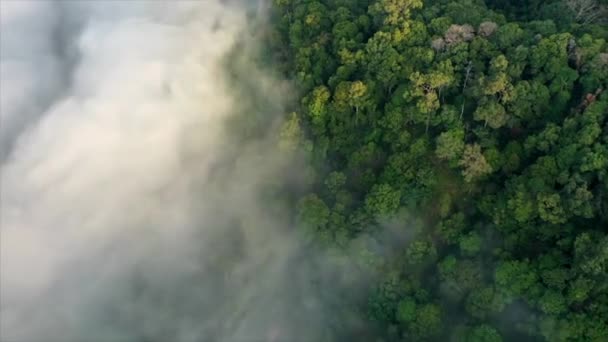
382	200
317	106
461	161
484	333
291	134
427	322
491	113
484	302
406	310
450	144
395	12
515	277
470	244
313	214
553	303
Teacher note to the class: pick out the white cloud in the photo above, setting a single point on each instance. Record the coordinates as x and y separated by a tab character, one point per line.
110	179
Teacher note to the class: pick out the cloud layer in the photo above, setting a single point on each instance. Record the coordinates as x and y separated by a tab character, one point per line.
128	210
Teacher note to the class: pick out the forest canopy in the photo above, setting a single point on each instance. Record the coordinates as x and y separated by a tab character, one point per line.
477	133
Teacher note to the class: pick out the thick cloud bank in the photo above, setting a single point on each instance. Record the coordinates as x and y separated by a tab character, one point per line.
127	211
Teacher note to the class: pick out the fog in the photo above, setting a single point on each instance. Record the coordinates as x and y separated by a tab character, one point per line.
129	210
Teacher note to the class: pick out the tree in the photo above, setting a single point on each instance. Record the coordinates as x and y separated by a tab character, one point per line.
357	94
458	277
509	35
395	12
313	214
467	148
474	163
492	113
426	88
382	201
459	33
427	322
579	290
383	61
450	229
484	302
470	244
335	181
484	333
383	301
406	310
550	208
591	253
552	303
290	134
420	251
317	105
586	11
450	144
515	277
487	28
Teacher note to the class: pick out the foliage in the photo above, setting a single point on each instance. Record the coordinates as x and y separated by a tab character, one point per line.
488	123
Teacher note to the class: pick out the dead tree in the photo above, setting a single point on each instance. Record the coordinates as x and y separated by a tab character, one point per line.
468	69
586	11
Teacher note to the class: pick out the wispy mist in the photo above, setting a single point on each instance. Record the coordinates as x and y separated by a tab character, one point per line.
129	212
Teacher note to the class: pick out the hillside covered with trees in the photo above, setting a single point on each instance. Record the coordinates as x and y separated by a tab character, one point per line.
458	155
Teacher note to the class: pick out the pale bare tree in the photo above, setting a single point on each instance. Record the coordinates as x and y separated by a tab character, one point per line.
464	85
459	33
487	28
474	163
586	11
438	44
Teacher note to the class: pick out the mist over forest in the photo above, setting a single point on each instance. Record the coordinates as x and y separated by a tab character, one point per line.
303	170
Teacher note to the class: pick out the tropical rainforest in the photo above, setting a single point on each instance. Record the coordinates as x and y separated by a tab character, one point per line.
304	171
457	153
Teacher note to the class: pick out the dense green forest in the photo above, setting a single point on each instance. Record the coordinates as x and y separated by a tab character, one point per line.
458	156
